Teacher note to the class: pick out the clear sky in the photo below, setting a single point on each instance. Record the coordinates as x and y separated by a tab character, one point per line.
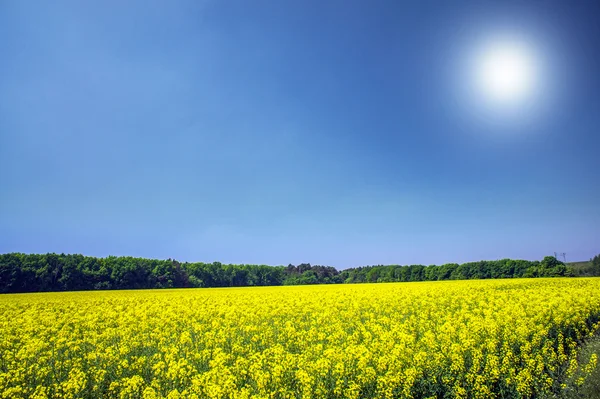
277	132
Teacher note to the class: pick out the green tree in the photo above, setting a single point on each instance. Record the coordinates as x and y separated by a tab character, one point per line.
595	265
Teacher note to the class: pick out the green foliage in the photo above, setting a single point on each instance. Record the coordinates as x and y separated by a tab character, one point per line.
586	269
52	272
504	268
596	265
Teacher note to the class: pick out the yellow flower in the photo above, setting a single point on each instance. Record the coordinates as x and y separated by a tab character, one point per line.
470	338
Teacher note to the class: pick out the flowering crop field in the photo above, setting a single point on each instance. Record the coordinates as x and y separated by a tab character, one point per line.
480	339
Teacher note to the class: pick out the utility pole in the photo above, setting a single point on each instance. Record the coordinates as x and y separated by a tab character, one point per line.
561	254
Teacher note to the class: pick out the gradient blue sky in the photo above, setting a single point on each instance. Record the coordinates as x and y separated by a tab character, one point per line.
283	132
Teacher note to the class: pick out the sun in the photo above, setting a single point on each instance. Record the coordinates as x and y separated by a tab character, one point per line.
502	81
505	72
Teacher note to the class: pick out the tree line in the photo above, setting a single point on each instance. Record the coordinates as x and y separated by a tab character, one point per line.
59	272
485	269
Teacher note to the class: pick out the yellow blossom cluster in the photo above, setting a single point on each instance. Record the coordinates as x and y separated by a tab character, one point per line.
459	339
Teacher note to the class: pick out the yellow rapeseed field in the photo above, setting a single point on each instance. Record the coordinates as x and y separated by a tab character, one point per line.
480	339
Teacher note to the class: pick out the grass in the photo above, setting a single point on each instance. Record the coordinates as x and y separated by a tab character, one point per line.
591	387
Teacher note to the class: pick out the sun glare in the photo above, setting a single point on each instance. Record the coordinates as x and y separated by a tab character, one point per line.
501	83
505	73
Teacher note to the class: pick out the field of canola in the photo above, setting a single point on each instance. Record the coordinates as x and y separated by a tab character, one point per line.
480	339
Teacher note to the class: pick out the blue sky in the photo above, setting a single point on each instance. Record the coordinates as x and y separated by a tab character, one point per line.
294	131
